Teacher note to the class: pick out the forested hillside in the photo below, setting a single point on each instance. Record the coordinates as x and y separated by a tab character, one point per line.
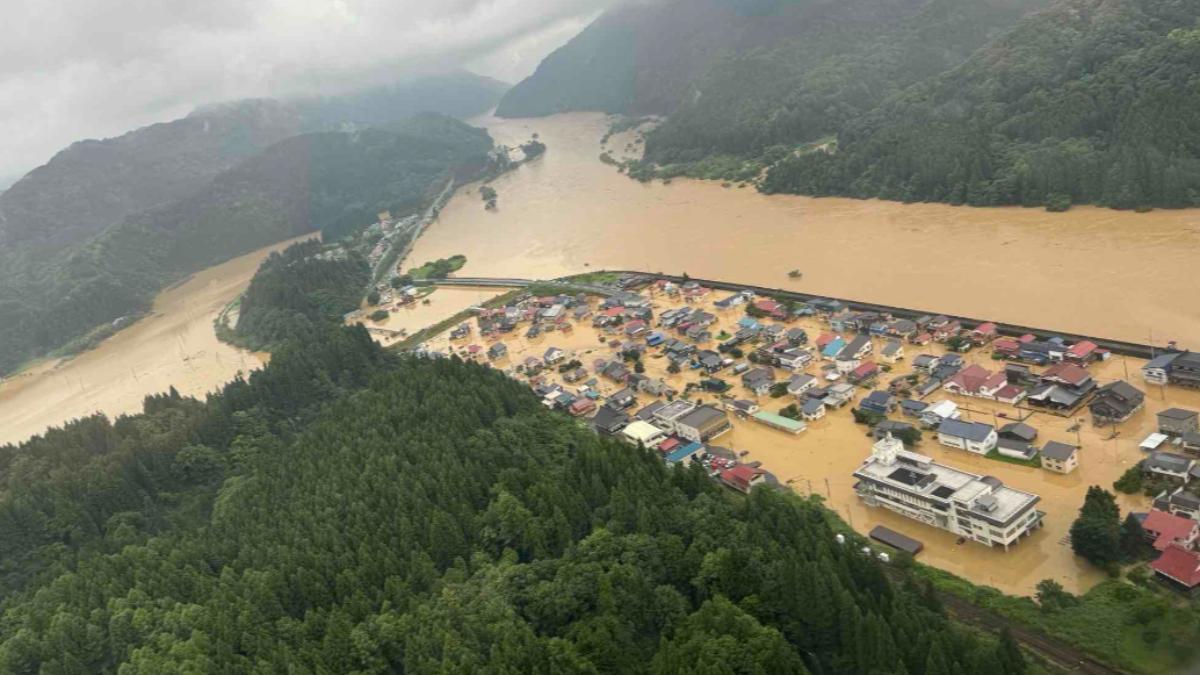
334	181
1093	101
94	184
297	292
437	520
1032	102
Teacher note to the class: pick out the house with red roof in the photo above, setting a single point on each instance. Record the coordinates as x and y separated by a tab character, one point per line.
977	381
1083	351
864	372
771	308
1179	567
1167	529
824	339
985	333
582	406
1007	347
1069	374
743	477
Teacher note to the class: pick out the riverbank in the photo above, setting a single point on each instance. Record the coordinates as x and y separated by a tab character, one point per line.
173	346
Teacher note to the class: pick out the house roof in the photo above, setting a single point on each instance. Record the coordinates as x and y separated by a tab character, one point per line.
1168	461
891	348
1161	361
972	378
1179	564
681	453
812	406
1068	373
609	418
879	397
1058	452
1019	430
701	417
1178	414
972	431
1168	528
1082	348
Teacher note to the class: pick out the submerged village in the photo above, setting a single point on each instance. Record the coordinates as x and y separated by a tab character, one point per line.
966	448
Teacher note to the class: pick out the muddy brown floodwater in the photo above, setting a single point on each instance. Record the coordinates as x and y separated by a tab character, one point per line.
174	346
822	459
1109	273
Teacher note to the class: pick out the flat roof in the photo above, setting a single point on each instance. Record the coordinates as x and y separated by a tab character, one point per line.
967	487
785	423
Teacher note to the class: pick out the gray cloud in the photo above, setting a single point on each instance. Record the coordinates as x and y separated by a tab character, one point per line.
96	68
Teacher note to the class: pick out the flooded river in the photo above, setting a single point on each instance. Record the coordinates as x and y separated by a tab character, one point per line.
1114	274
174	346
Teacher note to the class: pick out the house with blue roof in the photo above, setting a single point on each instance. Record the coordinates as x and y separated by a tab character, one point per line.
685	455
832	349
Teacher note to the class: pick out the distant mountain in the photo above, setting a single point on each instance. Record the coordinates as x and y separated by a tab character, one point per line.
733	61
980	101
94	184
321	180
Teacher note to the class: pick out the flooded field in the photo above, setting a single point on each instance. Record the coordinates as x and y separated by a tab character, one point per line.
173	346
821	459
1095	271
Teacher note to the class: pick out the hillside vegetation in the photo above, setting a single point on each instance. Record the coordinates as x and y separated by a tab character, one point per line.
984	102
437	519
332	181
94	184
1093	101
296	292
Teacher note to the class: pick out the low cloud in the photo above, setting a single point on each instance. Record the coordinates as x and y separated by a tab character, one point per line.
94	68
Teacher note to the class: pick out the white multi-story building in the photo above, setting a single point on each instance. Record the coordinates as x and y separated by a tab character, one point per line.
980	508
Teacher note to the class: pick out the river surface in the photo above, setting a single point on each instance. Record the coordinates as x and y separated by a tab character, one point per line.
174	346
1095	271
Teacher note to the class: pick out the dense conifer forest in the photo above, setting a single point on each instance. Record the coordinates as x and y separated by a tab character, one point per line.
297	292
346	510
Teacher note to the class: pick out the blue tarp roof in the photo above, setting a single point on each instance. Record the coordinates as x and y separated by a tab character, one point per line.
680	454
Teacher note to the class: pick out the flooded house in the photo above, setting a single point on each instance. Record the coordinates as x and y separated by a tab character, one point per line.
703	424
813	409
892	352
743	478
976	381
975	437
879	402
643	433
1169	465
1178	422
609	420
800	383
1016	439
1060	457
976	507
759	380
1115	403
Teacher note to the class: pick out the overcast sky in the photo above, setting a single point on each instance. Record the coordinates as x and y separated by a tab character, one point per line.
75	69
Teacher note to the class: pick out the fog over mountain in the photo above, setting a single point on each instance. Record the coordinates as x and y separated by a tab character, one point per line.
58	74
